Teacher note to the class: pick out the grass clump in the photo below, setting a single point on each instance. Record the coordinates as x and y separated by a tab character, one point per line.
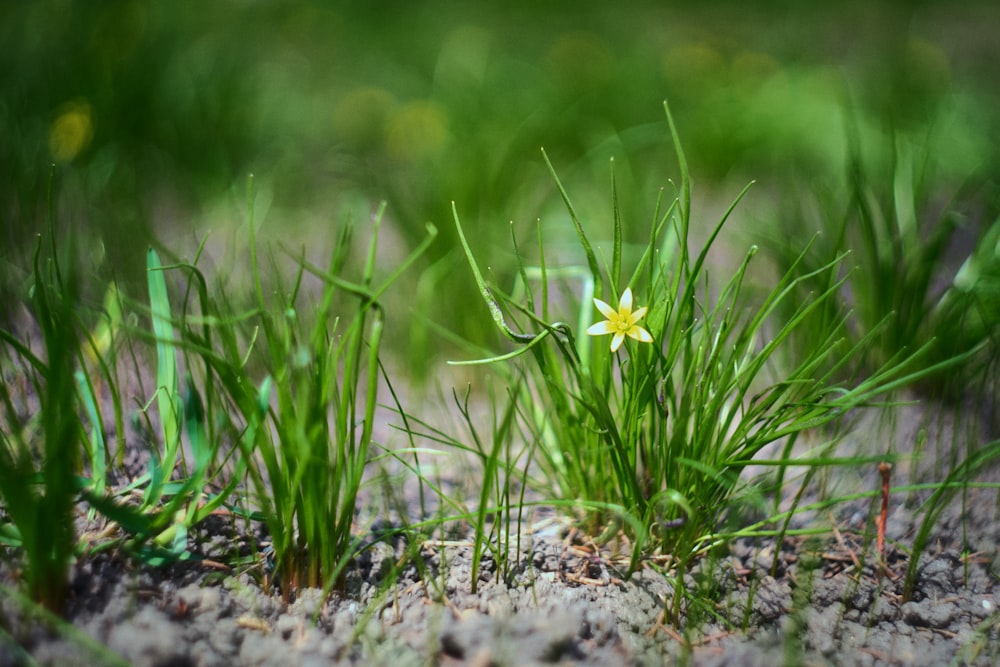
300	435
889	215
265	412
314	413
190	473
40	455
652	433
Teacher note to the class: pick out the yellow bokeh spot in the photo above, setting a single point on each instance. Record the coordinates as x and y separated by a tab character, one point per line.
696	63
416	131
71	131
753	67
581	59
360	116
927	64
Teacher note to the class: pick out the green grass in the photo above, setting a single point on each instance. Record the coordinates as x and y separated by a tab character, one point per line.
40	456
445	103
659	431
180	488
323	370
900	256
299	432
260	396
265	406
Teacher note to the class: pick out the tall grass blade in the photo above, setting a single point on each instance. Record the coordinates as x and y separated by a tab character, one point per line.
168	400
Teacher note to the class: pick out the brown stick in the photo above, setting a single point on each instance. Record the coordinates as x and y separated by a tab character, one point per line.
885	469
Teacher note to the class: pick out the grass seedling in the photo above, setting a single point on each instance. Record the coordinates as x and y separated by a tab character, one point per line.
99	356
898	254
496	517
168	398
40	458
493	518
967	312
175	489
300	436
661	422
318	403
959	479
886	220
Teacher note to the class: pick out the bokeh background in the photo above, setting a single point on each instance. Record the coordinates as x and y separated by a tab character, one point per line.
127	124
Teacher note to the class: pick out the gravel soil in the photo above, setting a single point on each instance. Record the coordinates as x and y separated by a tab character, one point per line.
563	600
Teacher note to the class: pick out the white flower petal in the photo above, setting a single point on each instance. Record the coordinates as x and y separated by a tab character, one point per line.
605	309
640	335
625	303
601	328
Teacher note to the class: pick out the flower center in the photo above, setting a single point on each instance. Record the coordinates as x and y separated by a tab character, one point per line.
620	321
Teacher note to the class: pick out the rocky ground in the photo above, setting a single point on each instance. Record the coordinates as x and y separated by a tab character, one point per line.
563	603
823	600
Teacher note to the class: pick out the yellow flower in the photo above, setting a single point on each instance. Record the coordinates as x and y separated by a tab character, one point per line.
621	322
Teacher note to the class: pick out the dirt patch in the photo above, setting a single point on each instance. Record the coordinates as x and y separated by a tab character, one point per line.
799	602
562	600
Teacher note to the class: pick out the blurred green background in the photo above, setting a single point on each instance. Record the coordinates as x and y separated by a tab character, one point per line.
144	119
